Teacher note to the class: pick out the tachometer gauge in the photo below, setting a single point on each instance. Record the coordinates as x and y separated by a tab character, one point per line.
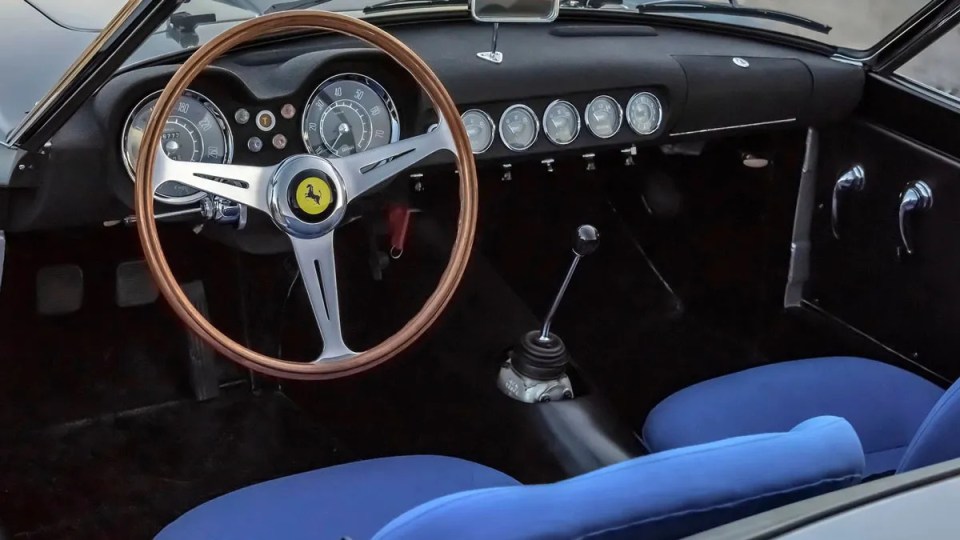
480	129
196	131
519	127
349	113
644	113
561	122
603	116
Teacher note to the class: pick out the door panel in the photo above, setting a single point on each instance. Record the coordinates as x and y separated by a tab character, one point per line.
910	303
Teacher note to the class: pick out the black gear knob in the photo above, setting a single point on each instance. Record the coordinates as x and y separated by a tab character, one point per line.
586	240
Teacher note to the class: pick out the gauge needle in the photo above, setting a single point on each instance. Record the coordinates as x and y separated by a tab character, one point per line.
343	128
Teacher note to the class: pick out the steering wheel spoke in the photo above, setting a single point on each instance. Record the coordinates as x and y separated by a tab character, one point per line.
245	184
319	272
366	170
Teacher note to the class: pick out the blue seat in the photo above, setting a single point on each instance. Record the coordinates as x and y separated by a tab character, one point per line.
903	420
667	495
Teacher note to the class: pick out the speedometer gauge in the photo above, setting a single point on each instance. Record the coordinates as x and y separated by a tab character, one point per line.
604	116
561	122
480	129
644	113
196	131
519	127
349	113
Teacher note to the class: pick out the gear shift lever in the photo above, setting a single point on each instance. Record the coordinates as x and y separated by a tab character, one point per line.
536	368
585	241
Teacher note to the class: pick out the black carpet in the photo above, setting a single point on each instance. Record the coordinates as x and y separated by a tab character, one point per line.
128	475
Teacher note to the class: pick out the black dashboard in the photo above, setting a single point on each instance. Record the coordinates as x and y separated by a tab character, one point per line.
704	85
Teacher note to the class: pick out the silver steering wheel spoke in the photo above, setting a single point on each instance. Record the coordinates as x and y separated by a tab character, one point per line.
245	184
319	272
366	170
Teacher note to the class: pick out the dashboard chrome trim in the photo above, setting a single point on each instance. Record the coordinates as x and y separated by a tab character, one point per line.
586	116
536	126
206	102
576	115
739	126
356	77
493	127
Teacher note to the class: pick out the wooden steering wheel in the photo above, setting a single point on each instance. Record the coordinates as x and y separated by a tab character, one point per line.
274	190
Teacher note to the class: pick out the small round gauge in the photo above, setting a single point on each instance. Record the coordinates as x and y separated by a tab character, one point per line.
519	127
644	113
561	122
480	129
349	113
196	131
603	116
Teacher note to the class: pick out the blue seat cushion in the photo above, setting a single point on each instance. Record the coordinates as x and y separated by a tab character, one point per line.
353	500
666	495
885	405
938	438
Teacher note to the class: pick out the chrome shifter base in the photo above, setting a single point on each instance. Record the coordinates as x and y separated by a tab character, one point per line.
527	390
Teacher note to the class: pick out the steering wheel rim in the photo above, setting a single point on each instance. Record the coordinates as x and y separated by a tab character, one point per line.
349	175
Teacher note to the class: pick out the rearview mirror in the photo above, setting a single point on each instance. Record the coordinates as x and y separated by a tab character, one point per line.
514	11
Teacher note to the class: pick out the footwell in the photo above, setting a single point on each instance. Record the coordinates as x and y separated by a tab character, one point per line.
127	475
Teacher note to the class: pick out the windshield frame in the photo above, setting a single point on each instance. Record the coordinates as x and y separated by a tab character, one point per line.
134	21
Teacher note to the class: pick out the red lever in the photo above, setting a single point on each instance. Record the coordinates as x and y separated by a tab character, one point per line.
398	221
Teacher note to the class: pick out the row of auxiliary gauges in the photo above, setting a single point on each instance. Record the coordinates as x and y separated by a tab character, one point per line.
519	125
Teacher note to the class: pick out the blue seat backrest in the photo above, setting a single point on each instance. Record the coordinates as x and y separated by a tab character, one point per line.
666	495
938	438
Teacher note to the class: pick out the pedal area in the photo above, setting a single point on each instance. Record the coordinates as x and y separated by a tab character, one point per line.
86	333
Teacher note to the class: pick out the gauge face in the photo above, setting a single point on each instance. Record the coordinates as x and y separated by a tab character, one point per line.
644	113
349	113
519	127
561	122
603	116
480	129
196	131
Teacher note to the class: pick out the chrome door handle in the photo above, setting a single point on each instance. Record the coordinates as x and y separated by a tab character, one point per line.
916	196
853	180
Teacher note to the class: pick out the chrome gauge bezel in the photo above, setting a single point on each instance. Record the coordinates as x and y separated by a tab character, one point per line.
576	115
656	100
355	77
210	106
586	116
493	127
536	126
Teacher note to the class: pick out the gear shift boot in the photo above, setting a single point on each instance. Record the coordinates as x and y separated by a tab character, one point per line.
539	359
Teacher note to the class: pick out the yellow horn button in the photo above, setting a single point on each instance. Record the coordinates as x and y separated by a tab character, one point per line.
314	196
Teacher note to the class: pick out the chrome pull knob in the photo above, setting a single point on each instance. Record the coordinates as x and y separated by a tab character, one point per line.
853	180
917	196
